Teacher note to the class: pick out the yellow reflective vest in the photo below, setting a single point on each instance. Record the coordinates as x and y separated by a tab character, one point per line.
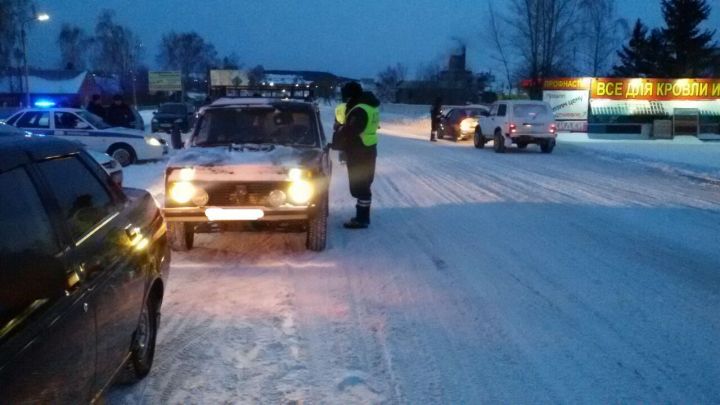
369	135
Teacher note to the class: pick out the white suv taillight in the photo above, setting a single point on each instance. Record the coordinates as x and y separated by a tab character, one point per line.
553	128
513	128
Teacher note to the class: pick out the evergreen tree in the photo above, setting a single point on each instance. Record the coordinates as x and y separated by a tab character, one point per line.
634	56
691	50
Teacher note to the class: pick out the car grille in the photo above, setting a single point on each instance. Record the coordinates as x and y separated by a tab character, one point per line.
234	194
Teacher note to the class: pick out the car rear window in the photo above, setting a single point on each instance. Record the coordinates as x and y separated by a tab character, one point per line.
257	125
532	111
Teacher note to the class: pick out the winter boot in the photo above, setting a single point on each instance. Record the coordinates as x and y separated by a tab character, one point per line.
361	220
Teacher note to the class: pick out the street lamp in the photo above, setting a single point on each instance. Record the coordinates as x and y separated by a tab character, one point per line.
38	17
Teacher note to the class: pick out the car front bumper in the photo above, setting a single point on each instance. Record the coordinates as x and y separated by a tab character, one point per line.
232	214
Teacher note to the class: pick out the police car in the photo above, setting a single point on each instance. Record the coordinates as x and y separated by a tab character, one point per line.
125	145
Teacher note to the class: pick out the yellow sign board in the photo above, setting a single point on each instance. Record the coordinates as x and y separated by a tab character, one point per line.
164	81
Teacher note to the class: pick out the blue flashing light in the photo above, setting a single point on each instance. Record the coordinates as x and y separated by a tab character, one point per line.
44	104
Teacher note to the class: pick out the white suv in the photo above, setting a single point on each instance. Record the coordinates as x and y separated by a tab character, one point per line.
519	122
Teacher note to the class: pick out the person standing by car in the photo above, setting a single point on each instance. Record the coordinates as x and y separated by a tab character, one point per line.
119	114
435	116
95	106
358	138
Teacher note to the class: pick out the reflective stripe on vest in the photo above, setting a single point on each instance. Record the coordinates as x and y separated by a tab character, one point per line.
340	111
369	135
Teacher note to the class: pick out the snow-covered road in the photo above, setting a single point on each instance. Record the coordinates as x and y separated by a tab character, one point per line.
517	278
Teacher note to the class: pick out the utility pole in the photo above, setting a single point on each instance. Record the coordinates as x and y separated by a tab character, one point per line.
23	36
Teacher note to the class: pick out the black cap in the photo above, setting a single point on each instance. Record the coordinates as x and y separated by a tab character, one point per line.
351	90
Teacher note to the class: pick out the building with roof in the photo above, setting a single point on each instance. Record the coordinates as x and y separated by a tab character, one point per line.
68	87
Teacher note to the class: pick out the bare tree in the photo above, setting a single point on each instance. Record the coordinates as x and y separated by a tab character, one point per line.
603	33
187	52
500	47
13	14
73	44
389	81
543	33
117	49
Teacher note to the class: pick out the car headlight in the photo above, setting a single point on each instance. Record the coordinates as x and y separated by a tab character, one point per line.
153	141
182	192
467	125
201	197
300	192
277	198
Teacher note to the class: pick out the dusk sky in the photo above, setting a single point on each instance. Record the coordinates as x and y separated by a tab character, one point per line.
355	38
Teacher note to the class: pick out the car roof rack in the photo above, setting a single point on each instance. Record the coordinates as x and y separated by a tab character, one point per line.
283	91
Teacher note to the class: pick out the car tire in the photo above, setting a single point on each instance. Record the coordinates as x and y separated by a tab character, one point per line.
124	154
479	140
547	146
144	339
317	227
182	236
498	142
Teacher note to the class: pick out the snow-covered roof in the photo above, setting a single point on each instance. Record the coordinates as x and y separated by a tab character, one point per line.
42	85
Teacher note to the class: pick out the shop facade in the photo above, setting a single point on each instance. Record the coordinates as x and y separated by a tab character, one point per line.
647	106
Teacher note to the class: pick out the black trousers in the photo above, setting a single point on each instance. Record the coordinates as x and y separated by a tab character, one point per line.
361	172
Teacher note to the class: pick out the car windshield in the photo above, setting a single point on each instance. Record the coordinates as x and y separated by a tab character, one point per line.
531	111
93	119
259	125
473	112
178	109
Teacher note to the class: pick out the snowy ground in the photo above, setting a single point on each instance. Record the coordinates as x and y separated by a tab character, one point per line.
587	276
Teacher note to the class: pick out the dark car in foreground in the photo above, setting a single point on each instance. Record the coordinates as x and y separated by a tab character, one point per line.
170	115
83	265
459	123
251	164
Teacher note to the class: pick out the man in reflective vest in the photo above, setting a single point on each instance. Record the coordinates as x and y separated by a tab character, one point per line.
358	139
